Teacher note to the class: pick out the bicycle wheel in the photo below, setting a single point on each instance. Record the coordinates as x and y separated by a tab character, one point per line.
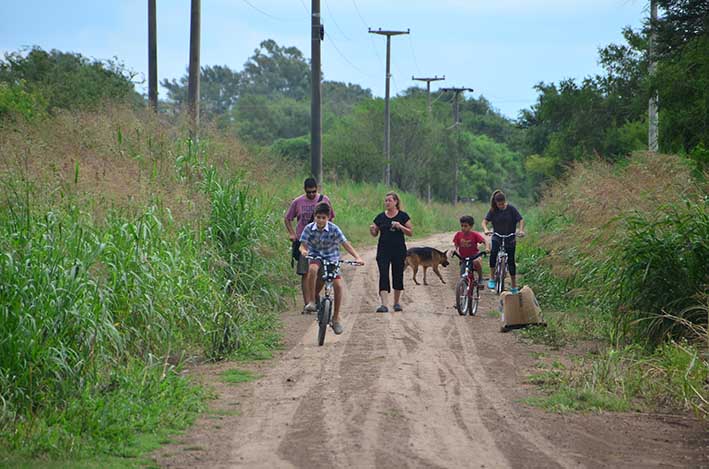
461	296
500	284
475	300
324	314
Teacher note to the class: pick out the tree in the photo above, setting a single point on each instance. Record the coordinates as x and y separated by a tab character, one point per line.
220	88
68	80
276	70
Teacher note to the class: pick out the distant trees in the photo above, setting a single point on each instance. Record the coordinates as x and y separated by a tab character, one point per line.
606	115
64	80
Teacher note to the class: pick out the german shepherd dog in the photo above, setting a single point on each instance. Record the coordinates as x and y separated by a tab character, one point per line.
426	257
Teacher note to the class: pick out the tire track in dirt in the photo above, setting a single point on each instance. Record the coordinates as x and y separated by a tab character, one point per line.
421	388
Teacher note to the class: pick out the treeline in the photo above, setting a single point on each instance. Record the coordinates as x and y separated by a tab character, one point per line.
267	105
606	115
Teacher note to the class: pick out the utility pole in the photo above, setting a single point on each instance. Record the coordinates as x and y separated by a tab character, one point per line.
387	120
456	124
428	81
194	69
152	56
428	88
653	118
317	35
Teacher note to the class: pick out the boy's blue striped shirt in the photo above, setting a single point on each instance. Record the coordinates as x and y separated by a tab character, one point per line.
325	243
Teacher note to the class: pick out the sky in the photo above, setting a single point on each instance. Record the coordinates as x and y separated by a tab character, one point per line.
500	48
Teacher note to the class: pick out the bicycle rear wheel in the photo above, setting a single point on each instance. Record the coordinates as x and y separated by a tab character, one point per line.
324	314
475	300
462	302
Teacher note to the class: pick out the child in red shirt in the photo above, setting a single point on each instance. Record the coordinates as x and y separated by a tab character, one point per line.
466	245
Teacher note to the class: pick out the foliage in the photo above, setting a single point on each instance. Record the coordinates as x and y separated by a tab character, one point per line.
67	80
669	248
15	101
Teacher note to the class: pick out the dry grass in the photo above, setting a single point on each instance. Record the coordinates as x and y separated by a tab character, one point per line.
596	196
118	158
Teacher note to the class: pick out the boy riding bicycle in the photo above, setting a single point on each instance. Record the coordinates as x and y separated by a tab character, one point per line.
466	243
322	239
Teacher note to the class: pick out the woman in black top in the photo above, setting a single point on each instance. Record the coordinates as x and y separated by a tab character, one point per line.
504	218
391	225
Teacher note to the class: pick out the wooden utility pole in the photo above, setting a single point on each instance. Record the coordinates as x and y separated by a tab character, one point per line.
194	69
387	116
317	34
653	118
456	124
152	56
428	88
428	81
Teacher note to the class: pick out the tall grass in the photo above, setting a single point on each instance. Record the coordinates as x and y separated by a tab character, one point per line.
622	251
125	250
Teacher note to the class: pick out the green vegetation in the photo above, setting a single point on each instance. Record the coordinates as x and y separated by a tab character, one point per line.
238	376
50	81
127	249
630	275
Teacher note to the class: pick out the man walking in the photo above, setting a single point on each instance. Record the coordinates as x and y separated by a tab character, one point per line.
302	208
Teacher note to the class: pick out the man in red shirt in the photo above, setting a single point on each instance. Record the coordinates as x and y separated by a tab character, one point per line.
466	245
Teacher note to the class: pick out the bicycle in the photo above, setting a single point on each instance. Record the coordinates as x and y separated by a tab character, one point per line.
467	290
330	271
501	266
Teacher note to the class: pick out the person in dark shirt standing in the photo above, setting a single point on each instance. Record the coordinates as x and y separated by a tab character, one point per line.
391	225
504	218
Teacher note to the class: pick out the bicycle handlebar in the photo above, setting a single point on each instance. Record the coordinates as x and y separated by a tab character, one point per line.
507	235
340	261
471	258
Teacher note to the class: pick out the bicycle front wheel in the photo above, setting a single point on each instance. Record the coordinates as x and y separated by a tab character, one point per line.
461	296
324	314
475	300
502	269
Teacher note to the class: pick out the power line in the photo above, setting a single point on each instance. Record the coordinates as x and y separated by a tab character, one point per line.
267	14
371	39
337	25
344	57
416	63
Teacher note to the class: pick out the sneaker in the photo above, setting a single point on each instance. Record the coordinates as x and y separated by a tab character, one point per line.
337	328
514	291
481	283
382	309
311	307
397	307
491	284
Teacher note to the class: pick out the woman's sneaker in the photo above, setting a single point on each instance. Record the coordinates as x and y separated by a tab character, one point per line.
514	291
382	309
397	307
491	284
337	328
311	308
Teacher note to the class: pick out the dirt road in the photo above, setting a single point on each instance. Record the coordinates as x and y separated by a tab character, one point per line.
421	388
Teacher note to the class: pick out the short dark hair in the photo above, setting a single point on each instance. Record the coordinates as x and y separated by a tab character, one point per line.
322	208
310	182
467	219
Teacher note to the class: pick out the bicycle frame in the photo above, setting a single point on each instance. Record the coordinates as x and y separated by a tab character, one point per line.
501	265
472	292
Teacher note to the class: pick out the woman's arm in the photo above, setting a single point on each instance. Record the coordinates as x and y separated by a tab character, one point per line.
406	228
373	229
521	227
485	229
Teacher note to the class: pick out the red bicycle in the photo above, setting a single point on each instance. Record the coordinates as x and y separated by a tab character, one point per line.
467	290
